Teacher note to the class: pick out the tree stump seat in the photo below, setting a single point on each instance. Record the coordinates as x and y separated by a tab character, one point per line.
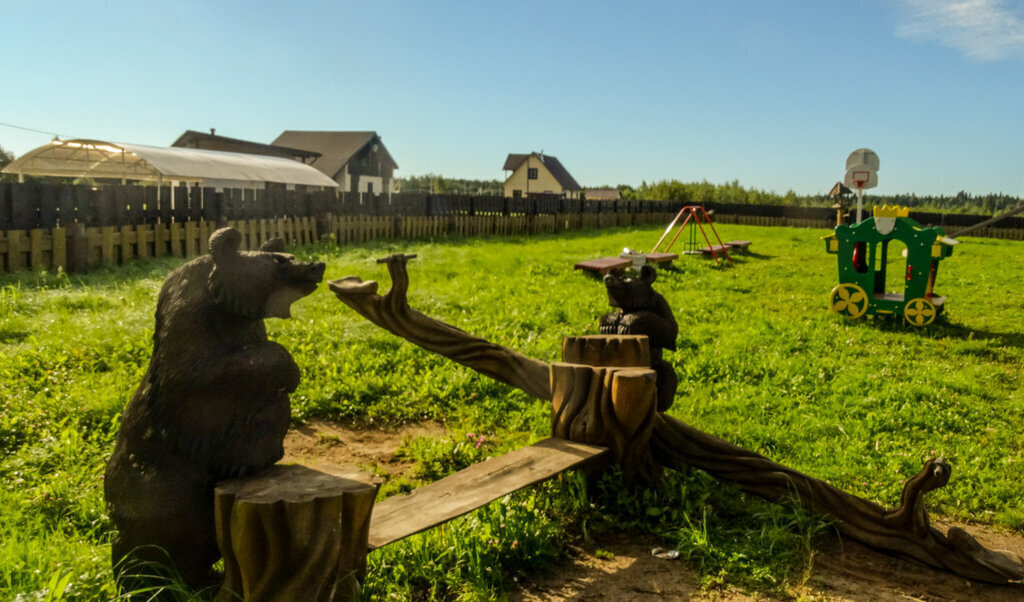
293	533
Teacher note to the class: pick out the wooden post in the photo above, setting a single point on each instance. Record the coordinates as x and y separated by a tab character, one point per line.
35	250
142	241
174	232
15	250
128	252
293	533
107	245
78	248
190	239
159	239
60	249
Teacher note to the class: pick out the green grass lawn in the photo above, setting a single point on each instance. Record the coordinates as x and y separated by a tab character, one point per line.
761	362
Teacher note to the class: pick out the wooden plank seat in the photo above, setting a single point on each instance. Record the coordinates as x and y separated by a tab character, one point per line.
718	249
603	265
662	258
740	245
403	515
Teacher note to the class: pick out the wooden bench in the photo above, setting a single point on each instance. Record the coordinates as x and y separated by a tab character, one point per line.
610	264
740	245
603	265
716	249
662	260
403	515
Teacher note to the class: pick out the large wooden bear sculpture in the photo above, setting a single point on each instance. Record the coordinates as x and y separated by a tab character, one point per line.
642	310
213	404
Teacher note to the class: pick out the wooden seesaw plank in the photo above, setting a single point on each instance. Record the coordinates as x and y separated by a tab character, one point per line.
428	506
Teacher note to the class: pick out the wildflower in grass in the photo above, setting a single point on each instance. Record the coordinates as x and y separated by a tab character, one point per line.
480	441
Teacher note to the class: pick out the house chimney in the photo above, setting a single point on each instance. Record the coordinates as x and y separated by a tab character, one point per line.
213	131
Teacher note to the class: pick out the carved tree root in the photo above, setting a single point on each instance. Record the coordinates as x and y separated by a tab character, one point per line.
904	531
392	313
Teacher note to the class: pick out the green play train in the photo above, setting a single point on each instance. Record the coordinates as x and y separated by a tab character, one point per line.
865	256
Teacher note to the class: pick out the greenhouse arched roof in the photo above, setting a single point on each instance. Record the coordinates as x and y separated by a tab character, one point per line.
99	159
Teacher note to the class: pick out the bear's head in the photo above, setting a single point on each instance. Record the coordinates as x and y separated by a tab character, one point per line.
258	284
628	293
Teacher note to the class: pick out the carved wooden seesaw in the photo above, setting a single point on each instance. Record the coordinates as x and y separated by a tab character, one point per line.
602	394
294	533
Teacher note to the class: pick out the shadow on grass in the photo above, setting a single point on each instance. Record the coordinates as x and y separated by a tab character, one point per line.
943	329
959	331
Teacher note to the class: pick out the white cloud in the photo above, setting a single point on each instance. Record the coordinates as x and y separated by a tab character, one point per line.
984	30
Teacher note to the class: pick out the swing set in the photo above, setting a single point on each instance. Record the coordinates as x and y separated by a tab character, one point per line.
697	218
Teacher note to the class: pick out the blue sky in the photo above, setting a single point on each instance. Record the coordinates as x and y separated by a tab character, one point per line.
774	94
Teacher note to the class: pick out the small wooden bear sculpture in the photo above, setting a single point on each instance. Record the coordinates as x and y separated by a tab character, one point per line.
213	404
642	310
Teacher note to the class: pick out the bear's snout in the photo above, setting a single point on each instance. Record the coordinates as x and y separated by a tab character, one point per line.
316	271
311	272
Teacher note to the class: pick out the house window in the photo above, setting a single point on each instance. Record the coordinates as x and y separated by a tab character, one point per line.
517	194
531	173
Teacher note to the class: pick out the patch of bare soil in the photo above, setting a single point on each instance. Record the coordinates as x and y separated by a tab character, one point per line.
842	570
343	449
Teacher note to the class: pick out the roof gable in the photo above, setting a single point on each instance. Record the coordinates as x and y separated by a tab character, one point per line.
336	148
553	165
194	139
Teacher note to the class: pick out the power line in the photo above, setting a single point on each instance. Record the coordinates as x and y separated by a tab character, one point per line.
18	127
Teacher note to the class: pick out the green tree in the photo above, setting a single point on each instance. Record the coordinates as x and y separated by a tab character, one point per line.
6	157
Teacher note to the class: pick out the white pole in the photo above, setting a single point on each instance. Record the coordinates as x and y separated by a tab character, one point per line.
860	203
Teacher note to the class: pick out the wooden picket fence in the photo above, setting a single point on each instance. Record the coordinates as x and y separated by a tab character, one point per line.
50	227
78	248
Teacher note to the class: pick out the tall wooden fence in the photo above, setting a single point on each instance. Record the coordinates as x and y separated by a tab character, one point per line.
76	228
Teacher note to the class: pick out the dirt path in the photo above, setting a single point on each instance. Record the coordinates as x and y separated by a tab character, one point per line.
840	571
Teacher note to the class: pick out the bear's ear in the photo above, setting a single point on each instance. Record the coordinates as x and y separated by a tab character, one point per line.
648	274
224	243
274	245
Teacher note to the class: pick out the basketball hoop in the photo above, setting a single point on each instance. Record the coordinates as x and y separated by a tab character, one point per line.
861	174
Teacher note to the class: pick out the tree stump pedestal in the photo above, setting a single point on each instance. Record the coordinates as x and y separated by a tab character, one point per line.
604	393
293	533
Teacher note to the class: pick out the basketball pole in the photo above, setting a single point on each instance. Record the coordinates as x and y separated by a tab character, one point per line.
860	201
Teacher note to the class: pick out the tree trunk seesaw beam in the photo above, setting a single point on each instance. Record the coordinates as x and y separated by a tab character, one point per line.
611	403
392	313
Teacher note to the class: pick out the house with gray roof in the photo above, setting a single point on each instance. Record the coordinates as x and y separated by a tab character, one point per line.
357	161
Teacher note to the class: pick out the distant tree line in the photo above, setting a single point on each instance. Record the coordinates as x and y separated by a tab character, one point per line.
731	192
436	184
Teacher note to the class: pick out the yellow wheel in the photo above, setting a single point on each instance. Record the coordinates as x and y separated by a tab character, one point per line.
848	300
919	312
